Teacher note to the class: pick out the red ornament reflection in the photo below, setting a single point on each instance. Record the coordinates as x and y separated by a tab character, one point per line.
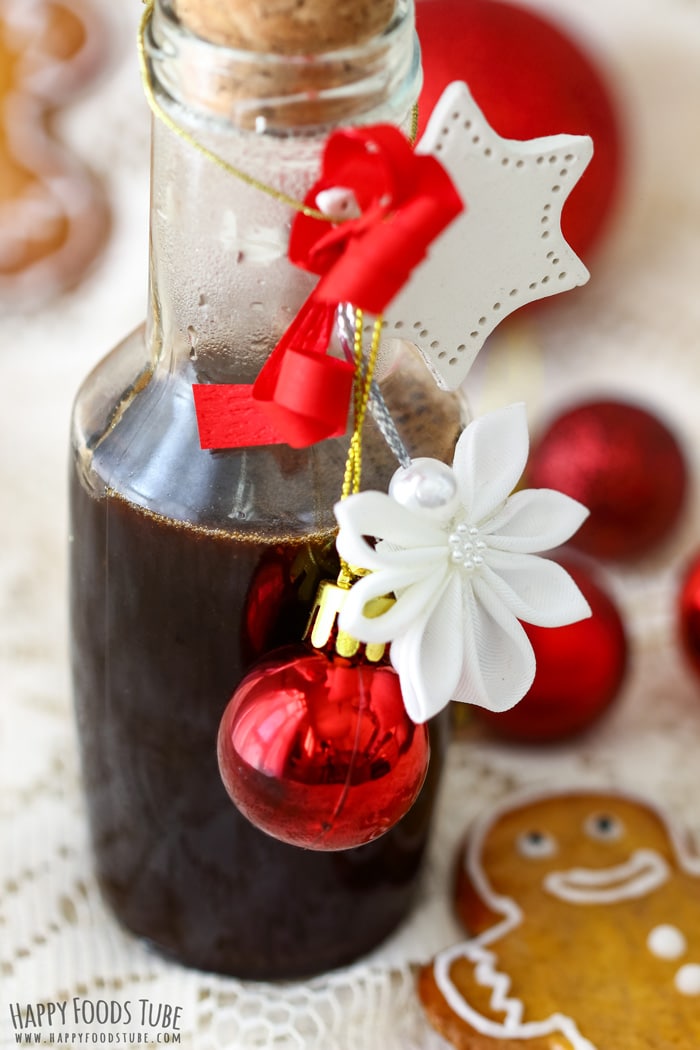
318	751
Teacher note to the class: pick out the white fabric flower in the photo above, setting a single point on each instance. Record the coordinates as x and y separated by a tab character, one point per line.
464	572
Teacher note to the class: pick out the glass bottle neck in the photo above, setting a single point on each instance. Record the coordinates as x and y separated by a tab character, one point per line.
222	288
300	94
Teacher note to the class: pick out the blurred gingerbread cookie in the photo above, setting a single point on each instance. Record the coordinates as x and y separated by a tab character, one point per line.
53	215
585	915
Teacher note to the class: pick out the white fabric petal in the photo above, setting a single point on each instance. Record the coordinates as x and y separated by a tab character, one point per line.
499	661
489	458
429	656
536	590
354	549
359	553
376	514
535	520
415	595
454	635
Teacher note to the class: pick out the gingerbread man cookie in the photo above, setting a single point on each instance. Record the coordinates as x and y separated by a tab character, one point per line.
53	215
585	910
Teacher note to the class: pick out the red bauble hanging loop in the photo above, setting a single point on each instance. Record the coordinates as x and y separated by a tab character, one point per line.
580	669
531	78
317	750
622	463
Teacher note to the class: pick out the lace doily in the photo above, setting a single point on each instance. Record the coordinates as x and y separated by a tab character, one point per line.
632	330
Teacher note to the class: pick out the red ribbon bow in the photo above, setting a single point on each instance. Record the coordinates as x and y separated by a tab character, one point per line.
386	205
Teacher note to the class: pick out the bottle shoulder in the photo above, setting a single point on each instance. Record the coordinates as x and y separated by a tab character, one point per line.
134	434
108	388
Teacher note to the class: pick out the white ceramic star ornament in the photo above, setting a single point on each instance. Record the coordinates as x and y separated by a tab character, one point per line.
504	251
459	554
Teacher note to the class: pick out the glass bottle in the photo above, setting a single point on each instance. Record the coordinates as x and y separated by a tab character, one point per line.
185	564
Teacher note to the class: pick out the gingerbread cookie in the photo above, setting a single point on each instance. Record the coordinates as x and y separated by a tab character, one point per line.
585	915
53	215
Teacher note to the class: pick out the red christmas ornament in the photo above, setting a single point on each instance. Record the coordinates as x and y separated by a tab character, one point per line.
530	79
689	613
580	668
316	748
281	594
624	464
270	596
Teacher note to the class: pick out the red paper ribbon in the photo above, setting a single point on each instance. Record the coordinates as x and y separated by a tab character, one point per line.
403	201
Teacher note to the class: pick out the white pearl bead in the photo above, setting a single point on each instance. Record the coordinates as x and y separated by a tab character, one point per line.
428	486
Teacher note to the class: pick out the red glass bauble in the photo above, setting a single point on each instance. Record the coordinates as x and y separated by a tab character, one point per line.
580	669
624	464
530	78
317	750
278	600
689	613
269	597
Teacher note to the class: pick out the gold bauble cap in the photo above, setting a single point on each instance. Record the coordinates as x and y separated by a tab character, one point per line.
323	631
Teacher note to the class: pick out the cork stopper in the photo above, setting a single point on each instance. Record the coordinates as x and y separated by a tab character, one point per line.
292	63
285	27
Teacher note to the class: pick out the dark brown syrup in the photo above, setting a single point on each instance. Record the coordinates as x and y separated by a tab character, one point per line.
166	619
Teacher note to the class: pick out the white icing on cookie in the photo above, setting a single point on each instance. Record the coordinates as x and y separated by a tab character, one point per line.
513	1027
643	873
687	980
666	942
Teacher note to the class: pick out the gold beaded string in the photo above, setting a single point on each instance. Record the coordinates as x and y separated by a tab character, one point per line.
361	393
363	383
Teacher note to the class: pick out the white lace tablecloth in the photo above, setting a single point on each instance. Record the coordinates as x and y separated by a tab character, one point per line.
634	330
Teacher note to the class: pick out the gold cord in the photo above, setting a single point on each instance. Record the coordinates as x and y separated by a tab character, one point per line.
177	129
363	383
413	133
